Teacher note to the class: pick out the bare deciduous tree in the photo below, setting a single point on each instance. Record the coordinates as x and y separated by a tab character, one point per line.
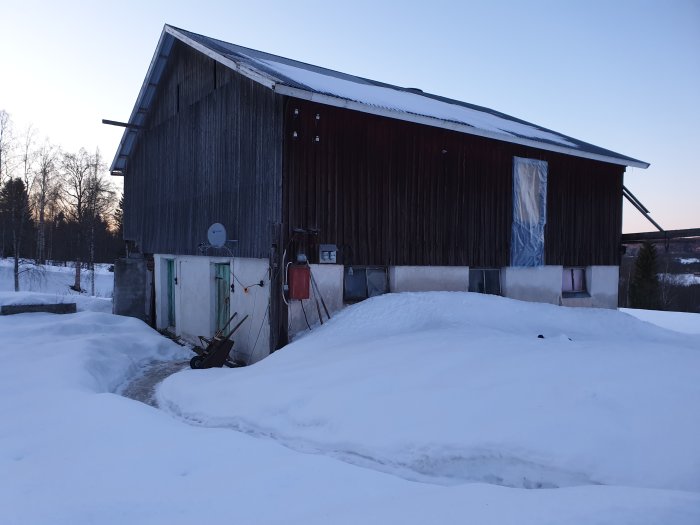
28	156
87	196
45	190
6	147
100	201
54	216
667	293
76	172
67	200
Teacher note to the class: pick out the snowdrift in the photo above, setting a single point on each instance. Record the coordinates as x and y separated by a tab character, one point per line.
454	387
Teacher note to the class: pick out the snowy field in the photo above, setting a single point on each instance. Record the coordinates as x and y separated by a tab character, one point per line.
55	279
680	279
686	322
406	408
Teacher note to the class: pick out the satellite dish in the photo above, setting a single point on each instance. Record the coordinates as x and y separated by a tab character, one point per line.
216	235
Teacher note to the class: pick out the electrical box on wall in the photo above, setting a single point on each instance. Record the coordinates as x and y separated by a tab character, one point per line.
299	277
327	253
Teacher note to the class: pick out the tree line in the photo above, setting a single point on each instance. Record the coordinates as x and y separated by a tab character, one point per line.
56	206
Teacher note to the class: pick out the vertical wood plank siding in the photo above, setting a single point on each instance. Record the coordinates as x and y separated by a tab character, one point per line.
386	194
212	152
584	212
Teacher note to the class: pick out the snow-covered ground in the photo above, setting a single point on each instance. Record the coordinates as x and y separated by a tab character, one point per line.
55	279
680	279
685	322
410	408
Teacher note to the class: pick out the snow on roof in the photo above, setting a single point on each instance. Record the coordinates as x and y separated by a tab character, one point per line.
306	81
395	99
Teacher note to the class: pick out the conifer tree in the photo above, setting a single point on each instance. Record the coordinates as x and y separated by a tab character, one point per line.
14	209
644	288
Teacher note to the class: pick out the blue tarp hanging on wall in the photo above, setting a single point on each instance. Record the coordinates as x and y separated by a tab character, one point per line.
529	212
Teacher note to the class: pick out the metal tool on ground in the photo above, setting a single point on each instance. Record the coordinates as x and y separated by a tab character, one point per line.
216	353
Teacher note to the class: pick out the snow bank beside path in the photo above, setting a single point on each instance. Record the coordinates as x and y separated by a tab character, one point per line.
87	351
456	387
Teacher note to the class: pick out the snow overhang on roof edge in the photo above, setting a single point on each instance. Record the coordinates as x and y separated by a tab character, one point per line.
453	126
160	57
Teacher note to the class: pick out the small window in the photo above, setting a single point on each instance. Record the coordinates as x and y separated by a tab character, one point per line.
485	280
362	282
573	281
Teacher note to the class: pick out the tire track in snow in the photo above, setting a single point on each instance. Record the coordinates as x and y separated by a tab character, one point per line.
443	466
440	467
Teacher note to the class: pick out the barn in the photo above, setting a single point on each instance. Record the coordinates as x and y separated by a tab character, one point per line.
332	188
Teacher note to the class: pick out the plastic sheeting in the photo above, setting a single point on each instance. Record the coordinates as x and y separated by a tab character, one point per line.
529	212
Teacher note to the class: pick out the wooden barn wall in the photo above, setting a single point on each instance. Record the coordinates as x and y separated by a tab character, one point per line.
389	192
211	152
584	212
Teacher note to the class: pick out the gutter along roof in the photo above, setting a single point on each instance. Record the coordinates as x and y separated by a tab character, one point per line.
325	86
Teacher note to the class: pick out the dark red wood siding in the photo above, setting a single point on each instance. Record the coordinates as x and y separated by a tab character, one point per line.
584	212
389	192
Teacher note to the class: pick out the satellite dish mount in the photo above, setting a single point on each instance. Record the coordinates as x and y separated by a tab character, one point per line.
216	237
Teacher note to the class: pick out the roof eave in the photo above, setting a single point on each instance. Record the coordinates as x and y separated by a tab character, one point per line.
330	100
115	167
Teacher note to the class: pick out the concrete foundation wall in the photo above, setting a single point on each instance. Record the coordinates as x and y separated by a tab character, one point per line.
428	278
329	278
544	284
538	284
130	287
603	285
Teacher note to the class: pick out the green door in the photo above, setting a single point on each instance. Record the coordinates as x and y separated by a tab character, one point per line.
222	278
171	292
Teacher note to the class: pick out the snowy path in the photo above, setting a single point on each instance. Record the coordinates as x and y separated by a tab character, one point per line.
142	387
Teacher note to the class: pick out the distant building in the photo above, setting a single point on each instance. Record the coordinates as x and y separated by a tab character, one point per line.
380	188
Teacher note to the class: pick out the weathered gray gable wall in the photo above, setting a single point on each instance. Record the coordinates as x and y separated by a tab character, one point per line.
211	152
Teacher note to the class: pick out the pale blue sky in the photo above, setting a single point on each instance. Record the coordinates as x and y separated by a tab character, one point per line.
624	75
